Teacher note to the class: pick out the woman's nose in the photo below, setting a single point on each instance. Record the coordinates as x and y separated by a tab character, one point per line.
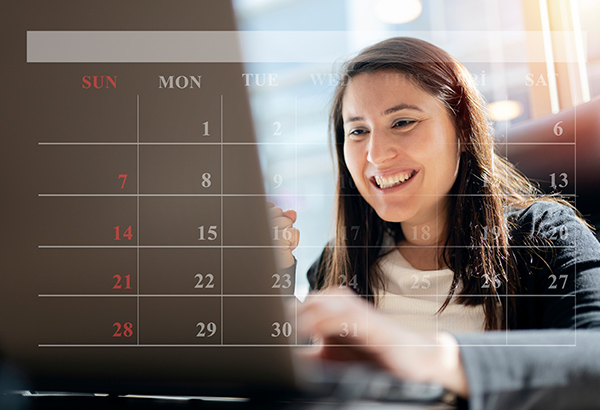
381	148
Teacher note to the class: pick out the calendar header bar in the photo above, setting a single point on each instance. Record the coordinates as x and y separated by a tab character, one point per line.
281	46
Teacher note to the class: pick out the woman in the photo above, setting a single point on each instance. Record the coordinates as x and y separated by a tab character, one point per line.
435	230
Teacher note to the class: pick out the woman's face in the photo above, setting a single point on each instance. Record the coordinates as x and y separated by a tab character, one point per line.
400	147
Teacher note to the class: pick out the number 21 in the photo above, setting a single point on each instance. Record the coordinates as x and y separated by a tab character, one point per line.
118	285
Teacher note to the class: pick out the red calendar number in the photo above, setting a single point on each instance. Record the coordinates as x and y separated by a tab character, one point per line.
120	279
125	330
124	176
127	234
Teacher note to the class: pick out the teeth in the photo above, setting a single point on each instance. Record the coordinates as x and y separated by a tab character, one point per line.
388	182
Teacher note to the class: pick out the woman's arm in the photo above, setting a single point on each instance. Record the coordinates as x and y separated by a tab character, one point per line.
549	369
560	270
534	369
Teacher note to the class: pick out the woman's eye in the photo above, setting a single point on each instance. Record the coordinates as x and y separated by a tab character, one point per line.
356	133
403	123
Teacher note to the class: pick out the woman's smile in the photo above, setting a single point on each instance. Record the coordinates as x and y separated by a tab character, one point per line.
391	180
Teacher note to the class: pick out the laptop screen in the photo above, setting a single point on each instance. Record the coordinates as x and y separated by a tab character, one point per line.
137	253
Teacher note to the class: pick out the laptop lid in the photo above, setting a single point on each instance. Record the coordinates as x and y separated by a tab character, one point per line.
137	256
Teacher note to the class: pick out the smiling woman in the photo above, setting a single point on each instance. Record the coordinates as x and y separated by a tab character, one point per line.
409	108
439	233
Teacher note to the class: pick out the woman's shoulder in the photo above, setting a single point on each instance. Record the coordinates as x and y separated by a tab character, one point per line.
540	209
544	218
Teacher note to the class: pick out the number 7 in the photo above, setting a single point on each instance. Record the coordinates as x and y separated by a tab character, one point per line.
564	278
124	176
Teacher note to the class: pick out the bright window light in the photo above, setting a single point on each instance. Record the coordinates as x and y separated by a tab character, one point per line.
398	11
505	110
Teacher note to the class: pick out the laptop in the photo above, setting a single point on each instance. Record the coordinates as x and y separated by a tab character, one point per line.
138	254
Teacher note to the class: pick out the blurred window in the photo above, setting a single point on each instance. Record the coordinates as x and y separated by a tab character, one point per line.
588	13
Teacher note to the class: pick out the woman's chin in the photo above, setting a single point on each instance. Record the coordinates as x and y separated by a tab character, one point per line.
393	215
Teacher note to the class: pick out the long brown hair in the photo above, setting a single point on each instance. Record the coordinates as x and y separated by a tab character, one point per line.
477	247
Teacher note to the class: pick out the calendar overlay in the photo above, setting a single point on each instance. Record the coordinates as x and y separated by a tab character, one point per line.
142	215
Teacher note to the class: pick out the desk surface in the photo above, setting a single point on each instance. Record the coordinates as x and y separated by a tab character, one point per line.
90	402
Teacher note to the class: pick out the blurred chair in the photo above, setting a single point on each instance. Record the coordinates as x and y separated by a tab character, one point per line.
562	153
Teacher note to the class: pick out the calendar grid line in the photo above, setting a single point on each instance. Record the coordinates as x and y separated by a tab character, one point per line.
278	295
320	143
575	203
281	345
221	126
437	317
559	195
276	246
295	198
138	221
366	280
506	261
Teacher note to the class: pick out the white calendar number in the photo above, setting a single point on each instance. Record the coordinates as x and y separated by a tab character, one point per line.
353	282
285	234
555	233
491	233
558	130
425	233
278	180
206	330
352	233
279	329
205	281
206	182
211	235
349	330
555	281
281	281
562	183
486	284
420	283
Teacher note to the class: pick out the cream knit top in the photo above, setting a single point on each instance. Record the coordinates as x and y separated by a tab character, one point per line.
413	297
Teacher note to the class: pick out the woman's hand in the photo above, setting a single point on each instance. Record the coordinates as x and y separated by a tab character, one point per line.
285	236
351	329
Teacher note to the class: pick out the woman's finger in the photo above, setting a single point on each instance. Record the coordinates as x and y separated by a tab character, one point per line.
275	212
290	213
281	222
